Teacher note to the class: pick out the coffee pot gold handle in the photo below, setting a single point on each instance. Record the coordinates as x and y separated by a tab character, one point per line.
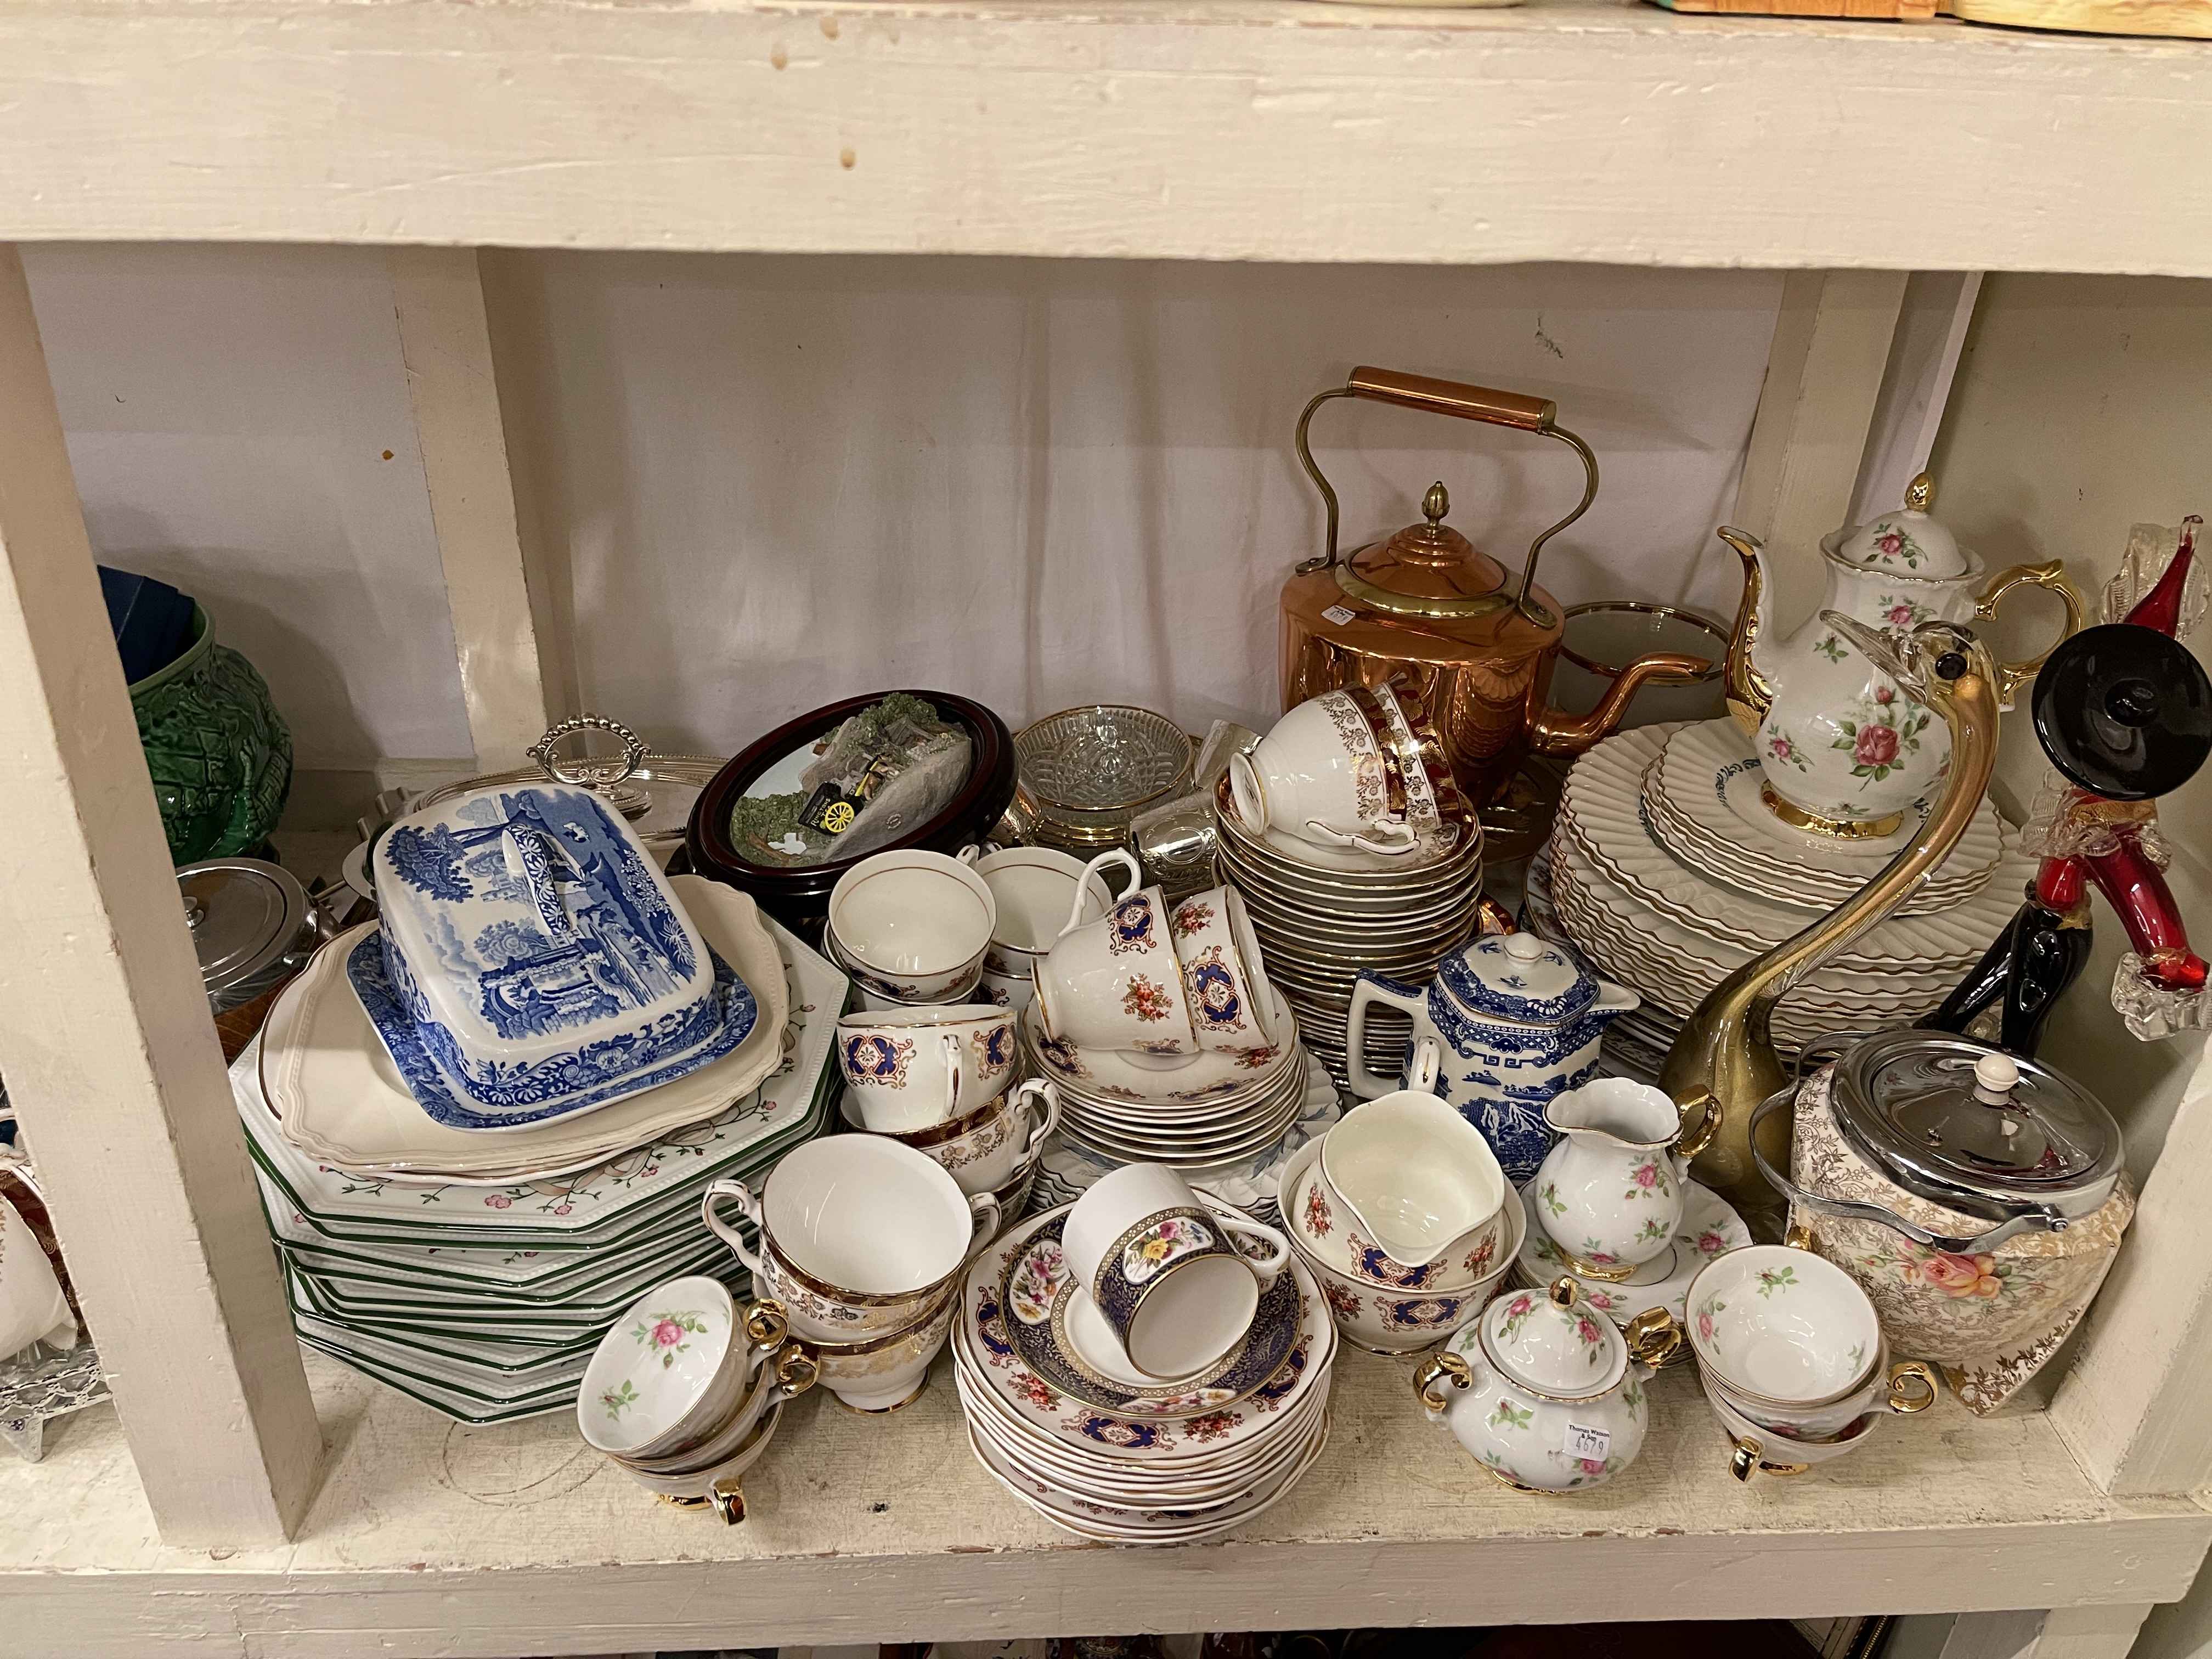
2050	574
1465	403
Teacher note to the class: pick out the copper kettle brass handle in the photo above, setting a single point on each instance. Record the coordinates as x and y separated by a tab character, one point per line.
1465	403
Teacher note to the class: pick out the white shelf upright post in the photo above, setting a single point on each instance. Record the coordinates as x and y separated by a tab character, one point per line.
109	1054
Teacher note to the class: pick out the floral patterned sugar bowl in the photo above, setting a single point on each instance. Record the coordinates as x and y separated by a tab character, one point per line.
1546	1393
533	961
1516	1022
1977	1198
1843	749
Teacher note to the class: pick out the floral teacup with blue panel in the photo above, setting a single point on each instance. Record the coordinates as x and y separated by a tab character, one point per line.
1177	1284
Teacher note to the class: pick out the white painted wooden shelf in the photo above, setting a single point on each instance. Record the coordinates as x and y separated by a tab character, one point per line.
1583	129
428	1537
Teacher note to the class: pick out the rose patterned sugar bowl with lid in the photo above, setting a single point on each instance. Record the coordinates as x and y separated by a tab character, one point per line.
1977	1198
1548	1396
533	961
1517	1021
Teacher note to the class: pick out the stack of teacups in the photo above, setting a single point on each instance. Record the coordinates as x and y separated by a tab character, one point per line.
1404	1217
936	1078
912	927
1793	1359
1148	1364
1163	981
861	1240
684	1391
1352	848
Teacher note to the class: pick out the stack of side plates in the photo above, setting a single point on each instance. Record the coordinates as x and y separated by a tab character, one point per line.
483	1295
1058	1418
1324	913
1066	1169
1672	930
1208	1108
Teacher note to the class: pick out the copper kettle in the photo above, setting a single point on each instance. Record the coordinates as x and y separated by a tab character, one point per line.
1427	606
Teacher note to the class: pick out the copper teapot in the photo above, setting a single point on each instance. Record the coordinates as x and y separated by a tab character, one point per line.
1427	606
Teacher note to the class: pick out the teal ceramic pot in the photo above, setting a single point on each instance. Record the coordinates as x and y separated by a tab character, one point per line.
220	756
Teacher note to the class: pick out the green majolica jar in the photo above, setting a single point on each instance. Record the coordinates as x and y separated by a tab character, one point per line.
220	756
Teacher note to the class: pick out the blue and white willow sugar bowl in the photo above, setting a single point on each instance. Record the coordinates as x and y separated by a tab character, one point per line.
1516	1021
532	961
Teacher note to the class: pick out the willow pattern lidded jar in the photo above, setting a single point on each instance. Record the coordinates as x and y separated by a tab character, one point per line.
1545	1393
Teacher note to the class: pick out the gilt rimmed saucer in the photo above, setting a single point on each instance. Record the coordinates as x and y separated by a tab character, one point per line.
1709	1227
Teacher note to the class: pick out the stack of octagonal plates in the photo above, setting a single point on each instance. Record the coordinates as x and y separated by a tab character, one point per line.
1059	1418
483	1298
1323	914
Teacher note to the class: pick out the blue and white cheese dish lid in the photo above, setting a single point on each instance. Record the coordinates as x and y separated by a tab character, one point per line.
540	956
1519	976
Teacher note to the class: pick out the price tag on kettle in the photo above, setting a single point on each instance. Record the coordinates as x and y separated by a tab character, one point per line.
1339	615
1584	1441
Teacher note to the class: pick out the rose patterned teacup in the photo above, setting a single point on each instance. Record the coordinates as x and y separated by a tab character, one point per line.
1231	1001
996	1143
913	1068
1117	982
1320	776
1791	1340
858	1235
673	1368
1163	1270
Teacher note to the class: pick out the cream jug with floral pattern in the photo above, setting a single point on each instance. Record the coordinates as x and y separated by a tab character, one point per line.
1844	752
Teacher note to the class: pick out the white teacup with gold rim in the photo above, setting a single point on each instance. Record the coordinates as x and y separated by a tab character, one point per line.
1034	888
913	1068
858	1235
914	925
1117	982
673	1368
1319	775
881	1373
994	1145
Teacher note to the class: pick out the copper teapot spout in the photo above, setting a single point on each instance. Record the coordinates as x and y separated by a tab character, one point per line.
1750	692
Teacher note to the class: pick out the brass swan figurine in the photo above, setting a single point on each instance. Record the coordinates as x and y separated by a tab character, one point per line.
1724	1064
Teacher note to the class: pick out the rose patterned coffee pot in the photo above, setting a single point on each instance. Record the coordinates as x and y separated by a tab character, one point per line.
1844	750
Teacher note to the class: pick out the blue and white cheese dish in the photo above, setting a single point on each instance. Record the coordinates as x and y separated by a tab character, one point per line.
532	961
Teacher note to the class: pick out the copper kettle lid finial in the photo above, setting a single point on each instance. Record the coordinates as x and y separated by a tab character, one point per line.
1436	503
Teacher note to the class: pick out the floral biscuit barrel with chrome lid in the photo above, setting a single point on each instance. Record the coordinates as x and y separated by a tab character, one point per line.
1977	1198
541	954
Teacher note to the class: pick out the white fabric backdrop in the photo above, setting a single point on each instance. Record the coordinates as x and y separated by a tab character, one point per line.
767	482
773	481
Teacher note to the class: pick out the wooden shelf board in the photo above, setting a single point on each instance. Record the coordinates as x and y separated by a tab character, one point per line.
428	1538
1282	130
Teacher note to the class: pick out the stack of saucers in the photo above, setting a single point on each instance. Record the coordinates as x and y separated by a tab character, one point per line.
475	1271
1664	915
1322	913
1060	1417
1189	1111
1067	1171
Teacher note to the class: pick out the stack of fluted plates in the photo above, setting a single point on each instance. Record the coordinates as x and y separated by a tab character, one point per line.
475	1272
1057	1416
1189	1111
1324	913
1068	1168
1671	921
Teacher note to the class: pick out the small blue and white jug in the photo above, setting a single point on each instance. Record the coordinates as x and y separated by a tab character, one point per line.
1517	1021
